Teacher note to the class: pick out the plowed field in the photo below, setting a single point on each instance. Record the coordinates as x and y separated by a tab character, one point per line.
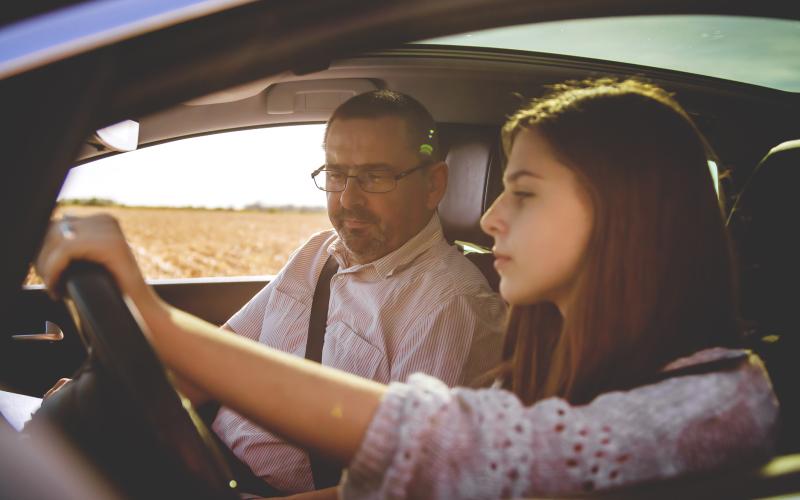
184	243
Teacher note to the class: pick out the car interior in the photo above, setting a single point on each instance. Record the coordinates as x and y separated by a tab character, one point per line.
469	91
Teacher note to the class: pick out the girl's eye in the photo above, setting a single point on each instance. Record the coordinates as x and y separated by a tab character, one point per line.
522	195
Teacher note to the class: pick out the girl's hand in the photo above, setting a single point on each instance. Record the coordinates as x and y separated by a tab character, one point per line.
97	238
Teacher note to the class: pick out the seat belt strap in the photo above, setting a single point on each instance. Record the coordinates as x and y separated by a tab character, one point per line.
319	311
325	473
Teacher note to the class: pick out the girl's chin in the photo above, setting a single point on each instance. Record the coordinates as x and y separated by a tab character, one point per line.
510	294
515	296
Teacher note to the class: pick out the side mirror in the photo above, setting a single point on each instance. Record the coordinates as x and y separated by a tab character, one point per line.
122	136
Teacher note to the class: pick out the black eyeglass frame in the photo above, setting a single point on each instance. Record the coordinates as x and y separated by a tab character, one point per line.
395	177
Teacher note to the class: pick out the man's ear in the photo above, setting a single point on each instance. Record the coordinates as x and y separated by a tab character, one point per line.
437	184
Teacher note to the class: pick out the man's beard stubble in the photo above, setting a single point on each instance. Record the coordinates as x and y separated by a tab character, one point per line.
363	244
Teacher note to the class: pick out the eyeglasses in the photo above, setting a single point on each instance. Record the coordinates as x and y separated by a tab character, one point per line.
334	180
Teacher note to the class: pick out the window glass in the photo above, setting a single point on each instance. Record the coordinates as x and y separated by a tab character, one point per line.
228	204
746	49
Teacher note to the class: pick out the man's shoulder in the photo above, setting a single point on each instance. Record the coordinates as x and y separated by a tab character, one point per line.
446	284
446	273
454	266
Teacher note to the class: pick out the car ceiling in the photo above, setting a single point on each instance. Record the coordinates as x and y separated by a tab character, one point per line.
470	86
457	85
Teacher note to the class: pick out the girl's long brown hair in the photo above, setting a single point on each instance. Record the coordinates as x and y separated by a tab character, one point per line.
656	282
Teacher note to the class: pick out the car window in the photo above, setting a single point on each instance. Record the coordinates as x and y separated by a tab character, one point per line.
228	204
753	50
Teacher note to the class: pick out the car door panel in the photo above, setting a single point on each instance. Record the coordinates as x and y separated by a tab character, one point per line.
32	366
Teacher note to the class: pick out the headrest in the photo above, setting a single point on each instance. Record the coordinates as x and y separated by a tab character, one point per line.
475	179
764	222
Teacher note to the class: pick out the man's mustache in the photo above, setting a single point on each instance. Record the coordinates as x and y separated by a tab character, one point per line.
360	214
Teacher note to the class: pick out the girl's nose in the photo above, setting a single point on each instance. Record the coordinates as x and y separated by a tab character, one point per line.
492	222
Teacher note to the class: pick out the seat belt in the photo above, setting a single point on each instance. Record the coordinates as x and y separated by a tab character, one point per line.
325	473
319	311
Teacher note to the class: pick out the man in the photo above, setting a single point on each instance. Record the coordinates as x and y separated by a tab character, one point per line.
403	299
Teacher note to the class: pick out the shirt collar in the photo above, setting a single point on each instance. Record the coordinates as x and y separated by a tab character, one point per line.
390	263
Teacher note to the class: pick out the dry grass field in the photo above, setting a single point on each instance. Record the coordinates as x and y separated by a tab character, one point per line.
186	243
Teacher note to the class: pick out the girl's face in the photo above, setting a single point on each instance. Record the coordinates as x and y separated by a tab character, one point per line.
540	224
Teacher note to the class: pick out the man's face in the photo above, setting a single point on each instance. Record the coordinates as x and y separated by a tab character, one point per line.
372	225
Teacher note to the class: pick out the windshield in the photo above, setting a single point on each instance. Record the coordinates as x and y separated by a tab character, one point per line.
758	51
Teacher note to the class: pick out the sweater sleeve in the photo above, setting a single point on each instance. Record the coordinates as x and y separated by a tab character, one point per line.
430	441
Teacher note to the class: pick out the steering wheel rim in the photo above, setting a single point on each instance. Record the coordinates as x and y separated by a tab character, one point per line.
112	333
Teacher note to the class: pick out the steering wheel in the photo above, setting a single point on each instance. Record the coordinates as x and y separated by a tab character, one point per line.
147	437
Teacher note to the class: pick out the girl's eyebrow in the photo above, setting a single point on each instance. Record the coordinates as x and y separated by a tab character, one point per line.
520	173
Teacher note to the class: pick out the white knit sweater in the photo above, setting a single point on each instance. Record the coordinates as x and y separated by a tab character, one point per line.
429	441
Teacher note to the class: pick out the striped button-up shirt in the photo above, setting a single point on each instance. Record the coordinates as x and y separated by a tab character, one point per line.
422	308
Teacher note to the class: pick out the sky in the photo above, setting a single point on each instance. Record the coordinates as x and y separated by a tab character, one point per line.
270	166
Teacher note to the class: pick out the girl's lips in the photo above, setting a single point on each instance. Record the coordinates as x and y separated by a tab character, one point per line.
500	260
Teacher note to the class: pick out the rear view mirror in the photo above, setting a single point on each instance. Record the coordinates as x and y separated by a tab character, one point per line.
122	136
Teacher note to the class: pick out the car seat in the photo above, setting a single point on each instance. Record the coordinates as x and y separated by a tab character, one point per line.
475	180
763	224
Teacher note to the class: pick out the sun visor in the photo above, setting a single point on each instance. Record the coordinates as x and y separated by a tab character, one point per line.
314	100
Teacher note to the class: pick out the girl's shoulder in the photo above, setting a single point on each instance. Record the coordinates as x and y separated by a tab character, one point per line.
710	359
742	363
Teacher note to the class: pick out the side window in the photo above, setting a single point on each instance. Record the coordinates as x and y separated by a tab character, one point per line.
228	204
